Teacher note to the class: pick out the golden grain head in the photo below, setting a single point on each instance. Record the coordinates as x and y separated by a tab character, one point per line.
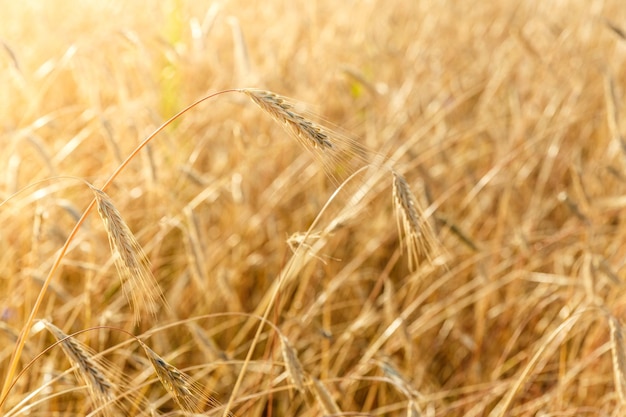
311	134
416	237
133	266
338	154
293	365
324	398
179	385
87	368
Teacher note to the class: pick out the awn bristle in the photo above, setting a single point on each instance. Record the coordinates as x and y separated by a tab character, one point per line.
309	133
176	382
413	228
87	369
619	358
324	398
138	283
293	365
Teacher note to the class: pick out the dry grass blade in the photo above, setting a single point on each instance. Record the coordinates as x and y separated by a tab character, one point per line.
415	233
138	283
177	383
619	358
87	369
324	398
293	365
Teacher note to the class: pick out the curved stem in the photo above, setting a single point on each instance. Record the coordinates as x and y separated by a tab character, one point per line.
22	337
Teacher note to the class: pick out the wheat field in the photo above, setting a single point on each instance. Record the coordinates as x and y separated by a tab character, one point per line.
312	208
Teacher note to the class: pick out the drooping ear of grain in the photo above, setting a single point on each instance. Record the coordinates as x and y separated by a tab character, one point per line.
310	134
336	152
398	379
177	383
138	283
619	358
293	365
416	237
324	398
87	369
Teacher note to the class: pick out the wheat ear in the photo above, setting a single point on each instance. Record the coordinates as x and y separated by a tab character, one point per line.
310	134
138	283
292	364
87	369
324	398
619	357
177	383
415	233
335	151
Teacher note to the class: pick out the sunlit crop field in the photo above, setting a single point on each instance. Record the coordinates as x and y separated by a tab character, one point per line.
312	208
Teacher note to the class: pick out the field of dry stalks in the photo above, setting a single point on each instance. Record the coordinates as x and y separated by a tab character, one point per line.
377	208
